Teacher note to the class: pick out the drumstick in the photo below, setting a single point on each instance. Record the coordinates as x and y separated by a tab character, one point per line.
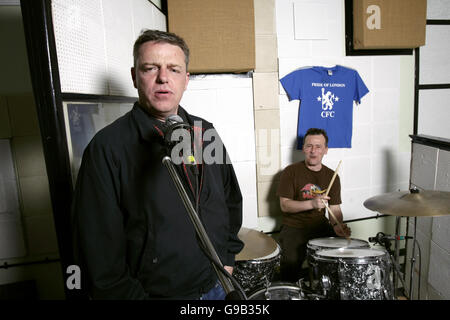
332	180
337	221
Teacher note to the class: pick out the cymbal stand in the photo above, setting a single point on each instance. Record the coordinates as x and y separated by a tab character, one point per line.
413	261
393	255
396	252
397	269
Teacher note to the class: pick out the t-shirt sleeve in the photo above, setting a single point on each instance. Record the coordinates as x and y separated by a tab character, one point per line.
292	85
286	186
360	88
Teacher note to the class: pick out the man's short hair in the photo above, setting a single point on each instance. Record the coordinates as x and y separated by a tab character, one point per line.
315	132
160	36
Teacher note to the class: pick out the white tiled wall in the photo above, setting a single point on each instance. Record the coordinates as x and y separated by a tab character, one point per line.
430	171
227	102
375	161
27	231
430	166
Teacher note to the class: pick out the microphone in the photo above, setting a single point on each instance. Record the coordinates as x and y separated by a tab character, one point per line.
175	122
172	123
381	237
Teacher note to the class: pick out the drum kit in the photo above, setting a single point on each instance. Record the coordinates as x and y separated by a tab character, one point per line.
340	268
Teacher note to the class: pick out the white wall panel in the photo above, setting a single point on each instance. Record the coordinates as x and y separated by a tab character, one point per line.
438	9
434	113
310	19
146	16
423	167
227	101
385	105
119	39
441	233
94	43
434	57
361	141
80	46
385	137
439	273
386	72
443	172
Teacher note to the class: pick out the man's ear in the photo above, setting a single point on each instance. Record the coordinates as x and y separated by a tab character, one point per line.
133	76
187	81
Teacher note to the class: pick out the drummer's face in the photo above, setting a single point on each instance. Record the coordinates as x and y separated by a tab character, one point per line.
314	149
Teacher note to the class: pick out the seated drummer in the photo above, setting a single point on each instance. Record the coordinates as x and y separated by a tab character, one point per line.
302	195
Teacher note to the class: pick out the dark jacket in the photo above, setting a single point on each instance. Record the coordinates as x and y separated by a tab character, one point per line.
132	233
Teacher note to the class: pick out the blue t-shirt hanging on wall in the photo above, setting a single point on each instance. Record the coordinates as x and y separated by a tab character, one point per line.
326	101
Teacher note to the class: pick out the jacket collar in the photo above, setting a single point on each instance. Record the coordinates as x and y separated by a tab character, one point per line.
151	128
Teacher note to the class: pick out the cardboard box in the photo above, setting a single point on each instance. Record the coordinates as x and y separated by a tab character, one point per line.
389	24
220	34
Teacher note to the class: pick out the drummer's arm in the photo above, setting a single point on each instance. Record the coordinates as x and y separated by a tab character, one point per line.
294	206
343	230
336	209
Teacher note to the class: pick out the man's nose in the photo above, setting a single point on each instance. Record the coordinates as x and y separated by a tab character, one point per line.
162	75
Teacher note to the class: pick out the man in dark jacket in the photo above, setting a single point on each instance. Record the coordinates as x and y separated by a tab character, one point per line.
133	235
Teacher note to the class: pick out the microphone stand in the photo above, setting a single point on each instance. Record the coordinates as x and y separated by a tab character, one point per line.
393	256
227	284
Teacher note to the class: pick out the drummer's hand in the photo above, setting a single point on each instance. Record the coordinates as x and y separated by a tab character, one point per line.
347	231
318	201
229	269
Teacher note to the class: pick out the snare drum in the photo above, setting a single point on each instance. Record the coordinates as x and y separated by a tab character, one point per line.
354	274
318	244
278	291
315	245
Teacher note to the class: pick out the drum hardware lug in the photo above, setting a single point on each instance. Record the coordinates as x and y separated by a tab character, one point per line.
343	294
326	284
300	283
267	295
266	280
268	284
386	295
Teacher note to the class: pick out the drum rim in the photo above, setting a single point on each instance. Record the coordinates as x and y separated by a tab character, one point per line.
351	259
272	286
310	244
277	255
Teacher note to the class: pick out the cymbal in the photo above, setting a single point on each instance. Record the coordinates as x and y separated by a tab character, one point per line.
256	245
413	203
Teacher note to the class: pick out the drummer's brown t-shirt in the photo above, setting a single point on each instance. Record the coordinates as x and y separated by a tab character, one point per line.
297	182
